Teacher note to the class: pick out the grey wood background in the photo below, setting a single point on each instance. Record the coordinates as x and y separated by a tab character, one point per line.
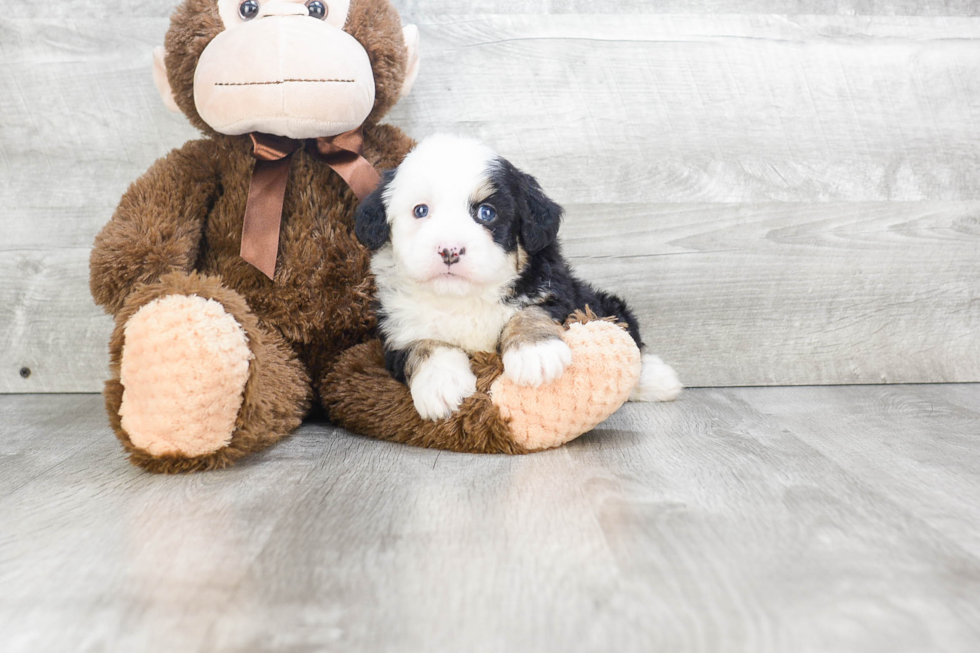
787	191
734	521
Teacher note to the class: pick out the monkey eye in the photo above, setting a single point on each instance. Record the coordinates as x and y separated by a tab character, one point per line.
421	211
248	9
317	9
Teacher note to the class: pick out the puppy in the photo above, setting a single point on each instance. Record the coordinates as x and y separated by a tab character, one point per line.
466	259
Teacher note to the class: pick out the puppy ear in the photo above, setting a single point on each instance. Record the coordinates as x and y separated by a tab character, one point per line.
371	220
540	223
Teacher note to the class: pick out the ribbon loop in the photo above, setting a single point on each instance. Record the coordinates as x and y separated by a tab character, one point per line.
344	154
266	147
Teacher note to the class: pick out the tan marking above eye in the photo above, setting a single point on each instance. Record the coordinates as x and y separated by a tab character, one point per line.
481	194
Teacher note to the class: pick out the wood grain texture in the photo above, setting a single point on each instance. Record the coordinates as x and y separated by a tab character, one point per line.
787	192
755	294
696	7
758	520
889	434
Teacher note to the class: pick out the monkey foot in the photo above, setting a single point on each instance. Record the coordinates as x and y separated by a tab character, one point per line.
605	368
184	367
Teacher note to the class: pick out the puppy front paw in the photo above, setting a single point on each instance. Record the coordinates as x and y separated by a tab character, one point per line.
538	364
442	383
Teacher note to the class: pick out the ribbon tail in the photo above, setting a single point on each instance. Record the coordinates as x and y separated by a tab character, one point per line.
358	172
263	214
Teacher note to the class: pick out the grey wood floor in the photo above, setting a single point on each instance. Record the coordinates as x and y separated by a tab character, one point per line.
756	520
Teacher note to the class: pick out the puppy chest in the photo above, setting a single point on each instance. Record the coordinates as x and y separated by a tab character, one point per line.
473	325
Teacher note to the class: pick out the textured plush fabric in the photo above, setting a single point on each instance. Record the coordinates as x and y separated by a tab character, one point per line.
363	397
500	417
605	367
183	370
277	394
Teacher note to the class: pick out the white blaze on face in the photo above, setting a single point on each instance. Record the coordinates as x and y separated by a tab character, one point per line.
449	176
284	72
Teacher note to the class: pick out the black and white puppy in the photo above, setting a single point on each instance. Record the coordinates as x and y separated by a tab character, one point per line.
466	259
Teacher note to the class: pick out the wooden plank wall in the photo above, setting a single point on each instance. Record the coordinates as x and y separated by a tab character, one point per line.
788	192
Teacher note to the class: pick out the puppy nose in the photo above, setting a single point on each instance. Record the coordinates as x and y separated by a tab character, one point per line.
450	256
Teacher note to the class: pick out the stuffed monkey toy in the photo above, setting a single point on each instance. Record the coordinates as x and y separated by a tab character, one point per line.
239	291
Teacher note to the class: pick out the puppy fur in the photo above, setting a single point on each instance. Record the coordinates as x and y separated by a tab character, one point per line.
466	259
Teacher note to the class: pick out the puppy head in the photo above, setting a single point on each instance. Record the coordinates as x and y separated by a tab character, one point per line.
458	218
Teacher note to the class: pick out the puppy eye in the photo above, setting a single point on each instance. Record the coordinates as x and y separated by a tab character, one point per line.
421	211
248	9
317	9
486	213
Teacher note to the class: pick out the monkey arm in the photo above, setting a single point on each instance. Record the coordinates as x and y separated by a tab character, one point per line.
502	416
157	227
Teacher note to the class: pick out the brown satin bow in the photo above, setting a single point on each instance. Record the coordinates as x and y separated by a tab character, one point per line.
267	192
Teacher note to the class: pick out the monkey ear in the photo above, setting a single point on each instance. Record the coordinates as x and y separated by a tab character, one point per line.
413	43
371	219
542	217
161	80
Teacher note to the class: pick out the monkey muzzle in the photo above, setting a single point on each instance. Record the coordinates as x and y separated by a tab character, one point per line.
289	76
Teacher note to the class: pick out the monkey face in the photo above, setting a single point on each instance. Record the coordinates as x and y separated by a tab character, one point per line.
295	68
281	68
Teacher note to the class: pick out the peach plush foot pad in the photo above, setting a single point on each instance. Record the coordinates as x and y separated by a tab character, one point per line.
605	367
184	367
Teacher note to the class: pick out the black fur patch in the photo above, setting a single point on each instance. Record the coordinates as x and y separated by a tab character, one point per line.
548	282
528	216
525	215
371	220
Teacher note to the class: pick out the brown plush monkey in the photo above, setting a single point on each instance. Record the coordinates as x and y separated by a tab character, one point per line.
237	285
